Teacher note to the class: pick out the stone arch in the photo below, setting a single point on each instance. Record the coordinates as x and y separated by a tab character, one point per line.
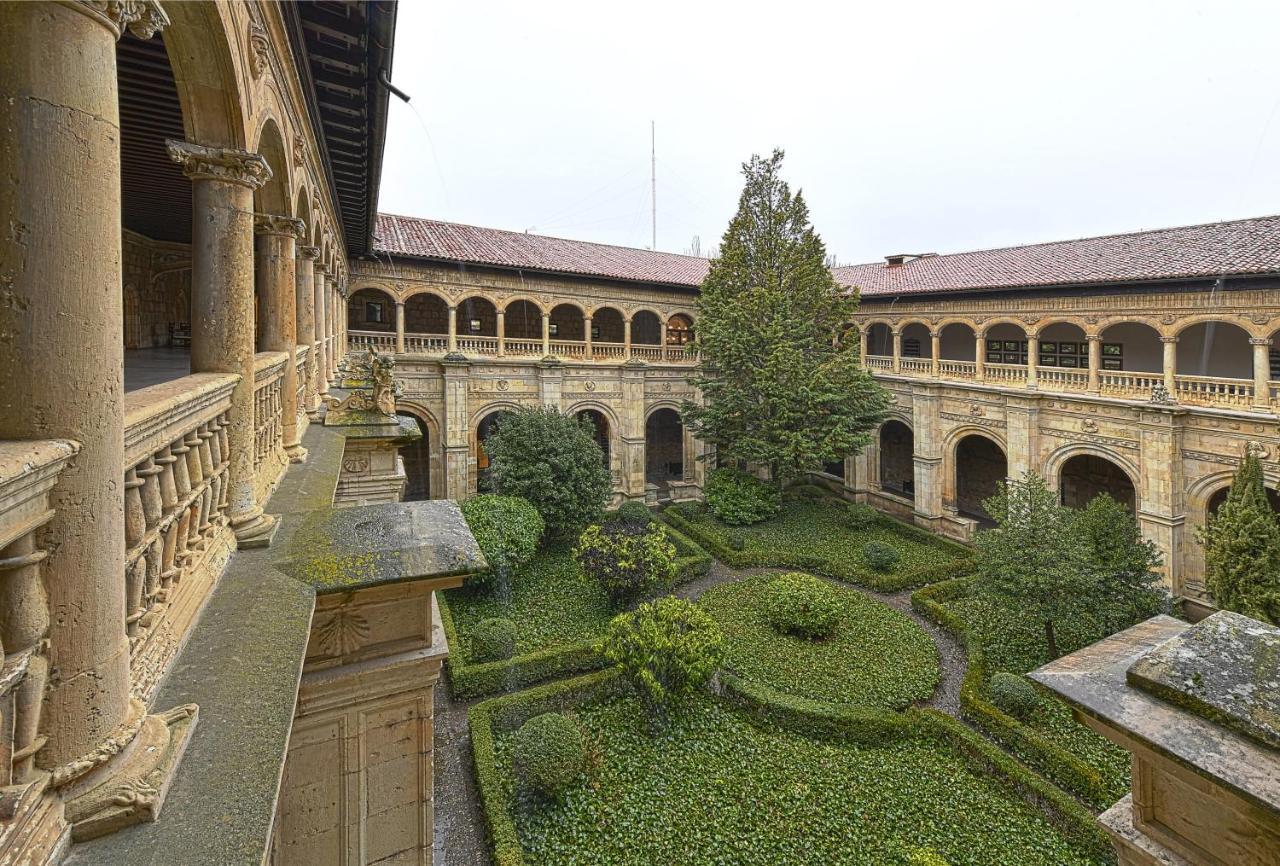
1022	326
605	424
916	339
646	327
1178	328
607	324
426	312
476	317
528	299
895	447
1216	347
957	341
567	321
522	320
665	454
679	329
274	196
480	428
1080	471
202	54
1140	347
979	463
371	309
302	210
424	464
879	338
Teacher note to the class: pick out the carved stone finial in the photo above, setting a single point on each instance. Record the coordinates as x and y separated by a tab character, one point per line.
259	49
275	224
311	253
220	163
1160	395
382	373
142	18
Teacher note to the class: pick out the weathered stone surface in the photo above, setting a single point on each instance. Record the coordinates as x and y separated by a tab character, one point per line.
1226	668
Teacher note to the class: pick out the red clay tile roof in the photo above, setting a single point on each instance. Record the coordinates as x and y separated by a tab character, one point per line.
431	239
1248	246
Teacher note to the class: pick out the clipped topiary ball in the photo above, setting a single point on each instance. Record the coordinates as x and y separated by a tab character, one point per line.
740	499
802	605
508	530
880	556
493	639
1014	694
860	516
635	512
548	754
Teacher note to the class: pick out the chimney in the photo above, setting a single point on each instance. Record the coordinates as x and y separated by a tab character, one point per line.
897	260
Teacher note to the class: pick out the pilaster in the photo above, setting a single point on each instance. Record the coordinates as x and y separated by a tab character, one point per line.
1161	506
457	432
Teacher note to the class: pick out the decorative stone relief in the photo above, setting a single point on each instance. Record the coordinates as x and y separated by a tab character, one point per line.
220	163
590	385
1088	425
142	18
343	631
503	385
976	410
259	49
1257	449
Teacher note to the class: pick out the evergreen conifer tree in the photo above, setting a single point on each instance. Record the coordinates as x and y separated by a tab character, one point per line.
1242	548
779	384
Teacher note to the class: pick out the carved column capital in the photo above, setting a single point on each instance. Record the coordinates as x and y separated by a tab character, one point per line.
142	18
1093	338
1259	341
220	163
1168	339
309	253
275	224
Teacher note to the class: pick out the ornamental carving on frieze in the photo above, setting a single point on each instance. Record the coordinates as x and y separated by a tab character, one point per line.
1254	448
342	631
976	410
259	49
1088	425
503	384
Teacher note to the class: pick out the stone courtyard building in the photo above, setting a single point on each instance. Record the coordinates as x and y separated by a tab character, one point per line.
218	630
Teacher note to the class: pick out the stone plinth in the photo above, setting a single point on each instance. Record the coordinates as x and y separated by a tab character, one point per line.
1195	705
372	469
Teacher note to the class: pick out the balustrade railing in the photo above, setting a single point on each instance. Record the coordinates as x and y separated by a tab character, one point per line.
268	374
957	369
383	341
476	345
646	352
609	351
433	344
1062	379
568	348
877	362
1128	383
916	366
303	370
1212	391
175	498
527	348
1011	373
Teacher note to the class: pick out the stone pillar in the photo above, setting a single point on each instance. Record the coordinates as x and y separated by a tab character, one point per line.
631	435
1170	365
502	333
306	302
662	338
321	347
935	340
925	400
1160	507
626	337
1261	372
457	430
1022	421
897	350
1095	362
980	357
399	327
586	336
222	320
1033	359
63	345
453	328
277	281
862	345
546	334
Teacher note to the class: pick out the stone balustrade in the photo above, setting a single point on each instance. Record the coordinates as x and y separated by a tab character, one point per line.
576	350
268	372
1210	391
303	368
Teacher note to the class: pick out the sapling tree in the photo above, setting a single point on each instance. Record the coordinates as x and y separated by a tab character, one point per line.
1242	548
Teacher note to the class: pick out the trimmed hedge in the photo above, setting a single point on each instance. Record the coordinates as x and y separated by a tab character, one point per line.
471	679
1056	763
722	547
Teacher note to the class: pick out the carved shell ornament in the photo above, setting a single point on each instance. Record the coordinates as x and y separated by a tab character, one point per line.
342	631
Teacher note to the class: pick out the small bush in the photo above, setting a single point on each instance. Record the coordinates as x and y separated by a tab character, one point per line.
633	511
627	560
548	754
668	649
507	528
802	605
493	640
880	556
1014	695
740	499
860	516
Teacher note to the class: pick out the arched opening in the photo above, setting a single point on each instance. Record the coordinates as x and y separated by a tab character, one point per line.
679	330
834	468
980	467
1219	497
478	317
663	448
1062	344
879	340
426	314
957	342
646	329
1084	476
522	321
607	327
1217	349
371	310
486	428
897	459
1006	344
916	342
567	323
599	430
271	198
1132	346
417	463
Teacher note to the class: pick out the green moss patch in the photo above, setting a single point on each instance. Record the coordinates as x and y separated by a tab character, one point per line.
876	656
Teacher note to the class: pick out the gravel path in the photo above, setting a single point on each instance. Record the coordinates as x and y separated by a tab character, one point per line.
459	824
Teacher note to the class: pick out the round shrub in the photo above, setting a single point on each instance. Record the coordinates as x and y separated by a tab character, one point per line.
507	528
548	754
860	516
493	639
634	511
626	560
880	556
802	605
740	499
668	649
1014	695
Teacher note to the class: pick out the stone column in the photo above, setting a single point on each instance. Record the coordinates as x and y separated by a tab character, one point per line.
662	338
277	279
321	346
399	327
1033	359
980	357
63	347
222	316
546	334
927	459
453	328
586	336
626	337
862	345
1170	365
897	350
502	333
935	340
1022	431
306	303
1261	372
1095	362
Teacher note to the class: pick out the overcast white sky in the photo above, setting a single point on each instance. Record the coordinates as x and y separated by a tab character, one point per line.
910	126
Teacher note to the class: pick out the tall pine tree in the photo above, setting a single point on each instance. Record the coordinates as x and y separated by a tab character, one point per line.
779	385
1242	548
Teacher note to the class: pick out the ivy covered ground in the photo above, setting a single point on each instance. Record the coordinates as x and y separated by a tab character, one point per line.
715	788
876	656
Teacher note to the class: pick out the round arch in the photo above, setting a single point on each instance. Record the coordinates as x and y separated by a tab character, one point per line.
603	424
476	317
1214	347
202	55
895	444
371	309
426	312
522	320
567	321
1081	472
646	328
424	459
607	325
664	446
274	196
879	338
979	463
1131	344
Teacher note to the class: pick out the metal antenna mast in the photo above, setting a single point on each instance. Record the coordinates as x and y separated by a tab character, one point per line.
653	181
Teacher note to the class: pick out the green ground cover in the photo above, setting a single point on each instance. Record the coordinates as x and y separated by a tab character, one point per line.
816	537
875	657
717	788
